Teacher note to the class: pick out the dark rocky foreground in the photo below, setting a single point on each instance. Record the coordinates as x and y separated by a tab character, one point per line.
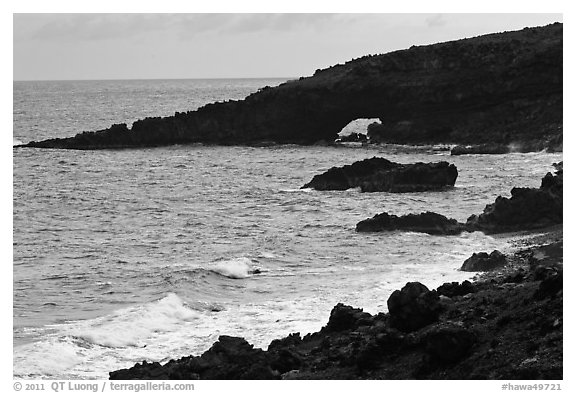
507	325
498	88
379	174
526	209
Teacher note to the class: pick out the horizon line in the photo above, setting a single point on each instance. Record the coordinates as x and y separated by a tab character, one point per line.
151	79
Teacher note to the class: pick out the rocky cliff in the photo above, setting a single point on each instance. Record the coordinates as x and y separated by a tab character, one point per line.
504	88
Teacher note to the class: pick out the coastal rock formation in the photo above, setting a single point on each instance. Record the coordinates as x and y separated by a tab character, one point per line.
495	328
413	307
528	208
344	317
379	174
449	343
486	148
451	289
228	358
429	222
503	88
482	261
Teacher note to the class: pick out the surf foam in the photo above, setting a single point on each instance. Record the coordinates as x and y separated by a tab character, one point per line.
234	268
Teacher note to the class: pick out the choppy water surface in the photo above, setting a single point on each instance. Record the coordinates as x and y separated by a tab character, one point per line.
121	256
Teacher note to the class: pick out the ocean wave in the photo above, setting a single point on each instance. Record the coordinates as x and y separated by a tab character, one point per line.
131	326
16	142
45	358
234	268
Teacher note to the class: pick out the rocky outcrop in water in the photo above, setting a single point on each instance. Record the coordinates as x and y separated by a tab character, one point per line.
429	222
507	326
526	209
379	174
487	148
503	88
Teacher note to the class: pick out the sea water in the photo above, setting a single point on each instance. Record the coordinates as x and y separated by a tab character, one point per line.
150	254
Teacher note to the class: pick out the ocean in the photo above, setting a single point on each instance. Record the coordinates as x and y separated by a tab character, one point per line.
150	254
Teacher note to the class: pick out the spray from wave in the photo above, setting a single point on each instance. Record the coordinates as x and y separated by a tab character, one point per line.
235	268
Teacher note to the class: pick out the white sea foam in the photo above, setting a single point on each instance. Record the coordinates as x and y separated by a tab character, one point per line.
158	331
297	190
132	326
234	268
50	357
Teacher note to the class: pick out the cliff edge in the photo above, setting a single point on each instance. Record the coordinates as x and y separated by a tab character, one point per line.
502	88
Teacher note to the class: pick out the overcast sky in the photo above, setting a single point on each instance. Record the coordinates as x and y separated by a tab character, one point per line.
157	46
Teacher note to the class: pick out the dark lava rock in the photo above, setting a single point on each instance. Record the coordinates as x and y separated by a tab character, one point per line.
349	176
550	286
543	272
451	289
379	174
475	90
228	358
481	262
291	340
413	307
431	223
528	208
448	343
487	148
345	317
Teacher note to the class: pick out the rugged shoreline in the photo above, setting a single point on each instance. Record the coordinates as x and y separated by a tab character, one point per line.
505	324
503	88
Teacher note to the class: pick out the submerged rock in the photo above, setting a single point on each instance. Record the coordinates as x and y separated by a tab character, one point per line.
379	174
482	262
431	223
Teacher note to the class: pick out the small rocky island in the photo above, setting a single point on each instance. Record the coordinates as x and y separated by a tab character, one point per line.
503	88
379	174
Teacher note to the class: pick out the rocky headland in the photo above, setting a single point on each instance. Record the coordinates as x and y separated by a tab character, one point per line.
503	88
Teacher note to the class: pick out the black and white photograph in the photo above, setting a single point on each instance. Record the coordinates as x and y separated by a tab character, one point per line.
287	196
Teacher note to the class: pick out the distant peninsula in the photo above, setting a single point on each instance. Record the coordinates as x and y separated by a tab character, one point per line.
503	88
